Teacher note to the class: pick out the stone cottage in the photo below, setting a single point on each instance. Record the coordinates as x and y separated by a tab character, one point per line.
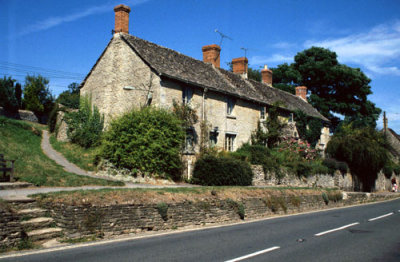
132	72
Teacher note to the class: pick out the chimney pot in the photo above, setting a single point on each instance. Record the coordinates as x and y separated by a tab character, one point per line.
301	91
211	54
239	65
266	75
122	19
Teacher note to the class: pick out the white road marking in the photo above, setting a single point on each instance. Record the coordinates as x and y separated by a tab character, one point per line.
336	229
253	254
375	218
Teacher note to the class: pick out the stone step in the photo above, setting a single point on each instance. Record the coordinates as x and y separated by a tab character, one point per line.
14	185
31	213
44	233
21	202
37	223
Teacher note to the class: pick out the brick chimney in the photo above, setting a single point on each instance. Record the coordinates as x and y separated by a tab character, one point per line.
301	91
239	66
122	19
266	75
211	54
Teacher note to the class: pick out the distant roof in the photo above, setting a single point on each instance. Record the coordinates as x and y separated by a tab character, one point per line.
172	64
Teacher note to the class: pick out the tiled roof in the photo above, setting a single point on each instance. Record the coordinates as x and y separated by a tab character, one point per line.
172	64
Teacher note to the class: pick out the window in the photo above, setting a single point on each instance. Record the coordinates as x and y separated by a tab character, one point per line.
189	141
262	112
187	94
230	142
230	106
213	138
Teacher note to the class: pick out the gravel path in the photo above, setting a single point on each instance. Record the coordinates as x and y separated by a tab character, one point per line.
69	167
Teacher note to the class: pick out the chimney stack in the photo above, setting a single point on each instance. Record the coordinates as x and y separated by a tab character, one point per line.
301	91
239	66
211	54
266	75
122	19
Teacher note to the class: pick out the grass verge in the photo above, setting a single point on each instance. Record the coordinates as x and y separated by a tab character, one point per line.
167	195
82	157
21	141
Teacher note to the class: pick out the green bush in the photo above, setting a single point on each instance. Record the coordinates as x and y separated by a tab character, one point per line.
325	198
221	171
162	209
148	140
333	165
52	120
335	196
85	126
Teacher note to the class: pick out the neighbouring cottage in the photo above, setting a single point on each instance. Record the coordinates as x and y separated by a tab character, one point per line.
132	72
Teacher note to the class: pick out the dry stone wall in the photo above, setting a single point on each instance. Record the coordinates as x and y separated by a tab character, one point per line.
82	220
10	229
342	181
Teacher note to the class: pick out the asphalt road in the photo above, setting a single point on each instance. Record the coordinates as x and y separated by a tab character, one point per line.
362	233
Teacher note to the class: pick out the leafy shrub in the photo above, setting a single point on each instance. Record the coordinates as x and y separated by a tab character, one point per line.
333	165
162	209
85	126
52	120
325	198
335	196
221	171
388	170
396	169
239	207
363	149
148	140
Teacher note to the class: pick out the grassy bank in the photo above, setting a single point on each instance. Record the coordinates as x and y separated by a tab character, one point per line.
82	157
20	140
171	195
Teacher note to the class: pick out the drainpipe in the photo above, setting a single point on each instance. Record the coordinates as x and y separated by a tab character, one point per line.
203	114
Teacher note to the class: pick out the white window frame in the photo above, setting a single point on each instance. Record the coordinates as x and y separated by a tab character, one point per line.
189	133
230	141
187	95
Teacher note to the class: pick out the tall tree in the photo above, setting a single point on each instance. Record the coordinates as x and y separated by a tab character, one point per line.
335	88
37	96
8	99
70	98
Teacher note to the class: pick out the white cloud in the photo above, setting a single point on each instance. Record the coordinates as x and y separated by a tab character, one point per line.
58	20
274	59
376	49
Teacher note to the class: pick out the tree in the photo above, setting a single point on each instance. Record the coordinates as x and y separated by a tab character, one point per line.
85	126
37	96
8	99
363	149
335	88
70	98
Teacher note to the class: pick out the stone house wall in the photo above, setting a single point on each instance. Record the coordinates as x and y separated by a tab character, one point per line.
112	79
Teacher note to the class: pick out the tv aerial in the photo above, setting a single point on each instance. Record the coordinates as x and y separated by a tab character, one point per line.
245	51
222	36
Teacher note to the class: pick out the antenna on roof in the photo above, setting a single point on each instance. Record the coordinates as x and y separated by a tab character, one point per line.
245	51
222	36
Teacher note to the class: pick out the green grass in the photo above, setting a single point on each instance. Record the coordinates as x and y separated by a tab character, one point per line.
20	140
82	157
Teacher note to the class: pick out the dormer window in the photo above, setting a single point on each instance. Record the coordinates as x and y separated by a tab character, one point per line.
230	106
187	94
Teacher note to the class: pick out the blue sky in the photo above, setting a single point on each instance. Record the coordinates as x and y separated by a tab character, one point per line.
63	39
